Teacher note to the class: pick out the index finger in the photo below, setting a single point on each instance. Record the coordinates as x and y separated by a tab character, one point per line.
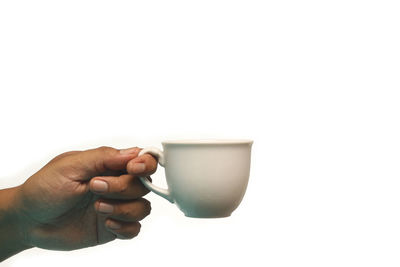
143	165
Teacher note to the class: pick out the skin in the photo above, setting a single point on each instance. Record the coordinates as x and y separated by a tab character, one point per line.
61	207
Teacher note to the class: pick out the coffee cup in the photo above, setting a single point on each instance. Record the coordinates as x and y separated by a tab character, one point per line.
205	178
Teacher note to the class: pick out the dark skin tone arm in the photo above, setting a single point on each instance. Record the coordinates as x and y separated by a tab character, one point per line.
79	199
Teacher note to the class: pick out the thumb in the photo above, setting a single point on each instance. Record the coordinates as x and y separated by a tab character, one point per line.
99	160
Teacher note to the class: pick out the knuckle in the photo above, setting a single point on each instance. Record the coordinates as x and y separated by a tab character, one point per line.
125	213
105	149
147	207
132	232
152	162
65	154
136	150
143	210
137	228
123	188
136	214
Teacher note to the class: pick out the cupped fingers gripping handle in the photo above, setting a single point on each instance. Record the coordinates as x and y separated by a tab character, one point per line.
165	193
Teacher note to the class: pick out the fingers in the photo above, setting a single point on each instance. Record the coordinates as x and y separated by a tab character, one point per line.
144	165
123	230
128	211
125	186
117	192
97	161
122	217
83	165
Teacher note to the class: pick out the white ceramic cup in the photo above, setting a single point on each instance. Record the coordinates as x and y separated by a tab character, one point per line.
206	178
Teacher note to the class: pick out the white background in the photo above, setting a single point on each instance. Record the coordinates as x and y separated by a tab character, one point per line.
315	84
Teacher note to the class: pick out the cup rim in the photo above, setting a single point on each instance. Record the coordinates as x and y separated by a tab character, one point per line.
207	142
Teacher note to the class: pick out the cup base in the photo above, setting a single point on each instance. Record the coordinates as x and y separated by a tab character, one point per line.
207	217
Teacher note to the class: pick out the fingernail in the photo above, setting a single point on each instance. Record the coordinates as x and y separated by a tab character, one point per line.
128	150
138	167
99	186
105	208
113	225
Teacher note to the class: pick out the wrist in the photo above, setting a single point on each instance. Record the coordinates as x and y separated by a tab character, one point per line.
12	233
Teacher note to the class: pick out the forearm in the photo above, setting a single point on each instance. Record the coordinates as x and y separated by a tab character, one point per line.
11	236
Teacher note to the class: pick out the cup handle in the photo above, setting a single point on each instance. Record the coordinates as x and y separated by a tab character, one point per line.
165	193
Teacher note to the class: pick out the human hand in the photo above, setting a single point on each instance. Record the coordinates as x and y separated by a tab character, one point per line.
84	198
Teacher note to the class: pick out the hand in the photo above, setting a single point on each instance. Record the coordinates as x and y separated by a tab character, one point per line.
85	198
